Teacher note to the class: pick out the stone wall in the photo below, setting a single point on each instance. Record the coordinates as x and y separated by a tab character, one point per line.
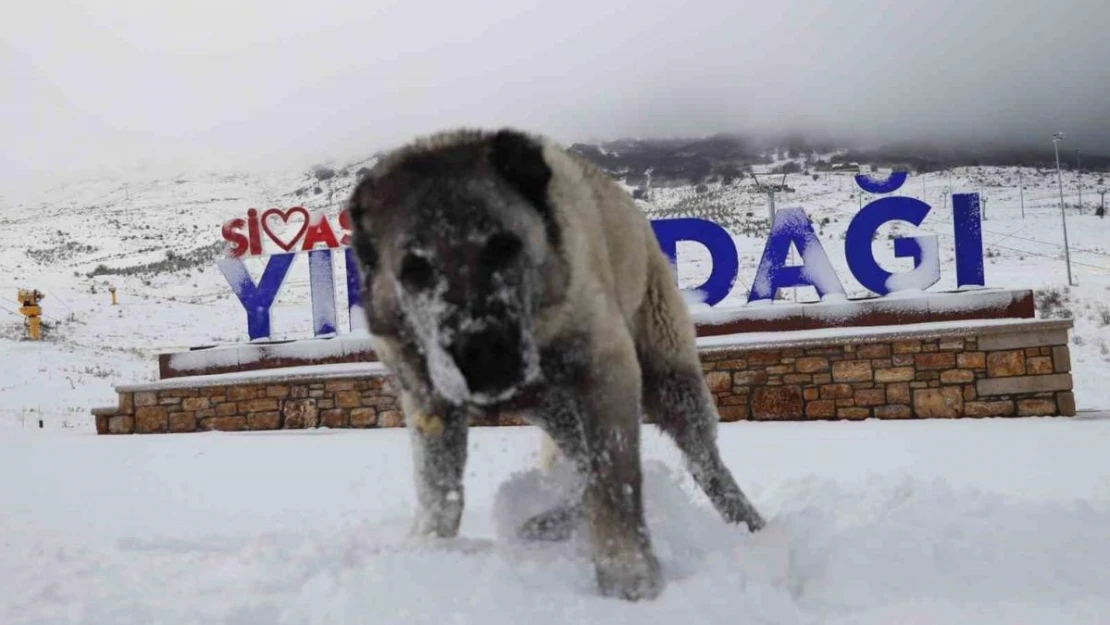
980	369
264	405
1024	371
334	396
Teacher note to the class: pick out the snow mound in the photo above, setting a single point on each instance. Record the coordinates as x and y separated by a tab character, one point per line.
890	550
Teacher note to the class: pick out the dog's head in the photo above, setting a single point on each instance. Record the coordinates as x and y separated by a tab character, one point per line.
457	243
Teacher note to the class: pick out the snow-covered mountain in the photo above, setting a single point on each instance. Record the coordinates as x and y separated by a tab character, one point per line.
156	240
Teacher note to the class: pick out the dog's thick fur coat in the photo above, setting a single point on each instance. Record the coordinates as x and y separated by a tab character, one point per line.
501	273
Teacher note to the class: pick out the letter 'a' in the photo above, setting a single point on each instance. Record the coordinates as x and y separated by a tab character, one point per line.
792	227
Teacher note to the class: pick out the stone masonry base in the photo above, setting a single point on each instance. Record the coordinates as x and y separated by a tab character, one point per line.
999	368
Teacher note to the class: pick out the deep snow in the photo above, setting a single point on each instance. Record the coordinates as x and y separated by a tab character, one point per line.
985	521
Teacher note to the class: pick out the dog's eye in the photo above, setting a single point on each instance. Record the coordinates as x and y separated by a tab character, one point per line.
501	249
417	272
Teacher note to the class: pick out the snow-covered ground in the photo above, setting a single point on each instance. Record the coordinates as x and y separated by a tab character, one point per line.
979	522
984	521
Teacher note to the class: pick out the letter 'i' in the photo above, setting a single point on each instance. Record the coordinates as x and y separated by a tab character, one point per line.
254	232
967	228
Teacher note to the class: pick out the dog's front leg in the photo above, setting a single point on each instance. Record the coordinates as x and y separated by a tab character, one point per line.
439	438
613	503
593	414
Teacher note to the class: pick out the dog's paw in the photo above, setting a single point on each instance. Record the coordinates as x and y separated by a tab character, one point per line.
554	525
633	577
439	522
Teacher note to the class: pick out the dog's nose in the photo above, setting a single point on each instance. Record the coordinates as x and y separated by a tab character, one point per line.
490	360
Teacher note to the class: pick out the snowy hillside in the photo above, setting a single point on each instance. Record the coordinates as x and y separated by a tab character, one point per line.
156	241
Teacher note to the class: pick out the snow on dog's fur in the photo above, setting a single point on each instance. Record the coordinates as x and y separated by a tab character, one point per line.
501	273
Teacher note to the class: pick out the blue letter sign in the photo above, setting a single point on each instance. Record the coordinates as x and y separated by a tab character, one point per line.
923	249
321	284
257	300
968	226
792	226
722	250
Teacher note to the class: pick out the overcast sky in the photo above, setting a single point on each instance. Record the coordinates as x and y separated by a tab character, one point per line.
99	85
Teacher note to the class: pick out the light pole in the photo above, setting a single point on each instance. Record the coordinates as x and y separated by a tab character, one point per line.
770	198
1056	137
1021	190
1079	175
771	205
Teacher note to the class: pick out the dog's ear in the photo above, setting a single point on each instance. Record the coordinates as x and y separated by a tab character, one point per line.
365	251
360	239
519	160
357	200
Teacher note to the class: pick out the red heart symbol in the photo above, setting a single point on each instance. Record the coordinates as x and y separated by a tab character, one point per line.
285	215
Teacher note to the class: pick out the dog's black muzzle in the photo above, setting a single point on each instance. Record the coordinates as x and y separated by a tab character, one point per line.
490	359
